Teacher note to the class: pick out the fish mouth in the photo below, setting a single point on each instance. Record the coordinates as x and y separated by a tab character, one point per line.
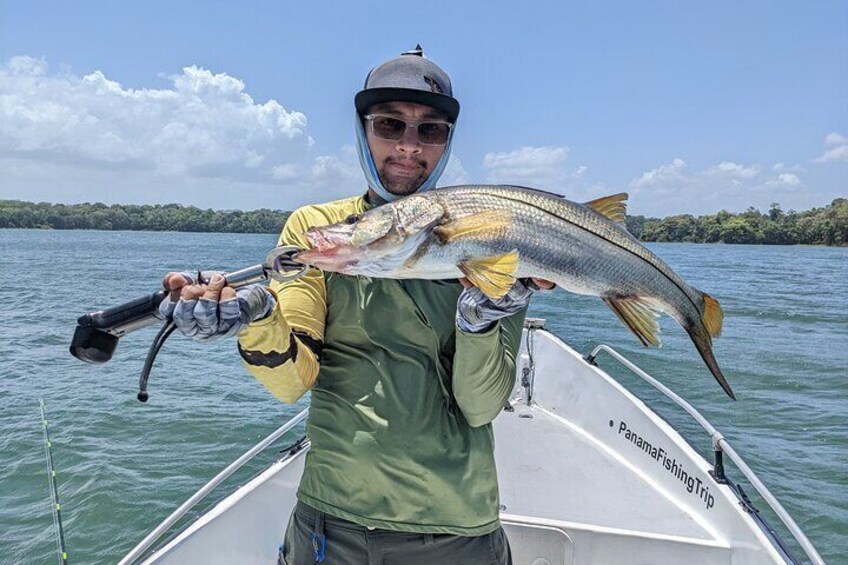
325	240
328	259
328	250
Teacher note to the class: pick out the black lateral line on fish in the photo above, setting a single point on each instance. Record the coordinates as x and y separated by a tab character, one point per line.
674	282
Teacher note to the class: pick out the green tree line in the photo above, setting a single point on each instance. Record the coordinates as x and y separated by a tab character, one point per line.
164	217
819	226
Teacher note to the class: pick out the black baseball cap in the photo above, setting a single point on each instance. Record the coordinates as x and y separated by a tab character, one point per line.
409	78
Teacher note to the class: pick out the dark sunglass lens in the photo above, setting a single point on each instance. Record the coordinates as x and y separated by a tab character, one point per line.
388	128
433	133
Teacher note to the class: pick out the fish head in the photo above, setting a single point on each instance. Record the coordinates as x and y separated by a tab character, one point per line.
374	243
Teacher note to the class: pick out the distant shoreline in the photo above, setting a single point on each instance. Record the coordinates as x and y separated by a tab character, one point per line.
820	226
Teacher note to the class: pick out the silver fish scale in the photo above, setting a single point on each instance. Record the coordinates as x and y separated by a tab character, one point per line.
578	241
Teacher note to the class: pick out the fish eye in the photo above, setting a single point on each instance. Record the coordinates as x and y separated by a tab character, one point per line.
352	219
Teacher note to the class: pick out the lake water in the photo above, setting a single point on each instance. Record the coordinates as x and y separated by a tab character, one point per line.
124	466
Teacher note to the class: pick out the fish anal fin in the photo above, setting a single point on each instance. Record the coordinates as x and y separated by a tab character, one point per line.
613	206
492	275
488	220
639	315
713	315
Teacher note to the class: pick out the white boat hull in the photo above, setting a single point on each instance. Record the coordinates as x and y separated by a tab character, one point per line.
588	474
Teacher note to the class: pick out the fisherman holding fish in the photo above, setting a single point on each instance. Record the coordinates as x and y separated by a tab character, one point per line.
406	374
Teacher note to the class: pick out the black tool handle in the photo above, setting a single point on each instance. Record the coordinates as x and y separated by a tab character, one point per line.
97	333
127	317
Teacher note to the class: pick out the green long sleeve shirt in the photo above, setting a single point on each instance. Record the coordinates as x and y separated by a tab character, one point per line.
402	401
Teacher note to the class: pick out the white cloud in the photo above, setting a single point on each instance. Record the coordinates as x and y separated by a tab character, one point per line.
838	151
285	172
674	188
204	125
664	175
156	145
787	179
538	167
834	138
731	170
454	173
338	170
783	167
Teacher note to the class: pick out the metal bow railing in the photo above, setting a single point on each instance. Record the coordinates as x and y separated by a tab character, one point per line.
720	445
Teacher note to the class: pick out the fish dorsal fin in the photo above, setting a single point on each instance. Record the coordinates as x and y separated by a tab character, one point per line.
488	220
613	206
638	314
492	275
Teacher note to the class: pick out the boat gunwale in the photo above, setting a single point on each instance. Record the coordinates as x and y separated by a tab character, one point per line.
721	445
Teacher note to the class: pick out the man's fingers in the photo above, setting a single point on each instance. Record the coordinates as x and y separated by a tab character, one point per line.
191	292
213	289
174	282
184	315
227	293
228	312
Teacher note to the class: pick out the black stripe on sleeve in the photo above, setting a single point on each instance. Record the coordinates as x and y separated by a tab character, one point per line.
314	345
271	359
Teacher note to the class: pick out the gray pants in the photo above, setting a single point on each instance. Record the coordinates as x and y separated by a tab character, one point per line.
314	537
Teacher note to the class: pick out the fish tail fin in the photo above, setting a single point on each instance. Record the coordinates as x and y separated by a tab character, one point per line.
700	335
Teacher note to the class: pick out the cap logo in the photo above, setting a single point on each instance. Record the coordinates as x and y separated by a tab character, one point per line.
434	86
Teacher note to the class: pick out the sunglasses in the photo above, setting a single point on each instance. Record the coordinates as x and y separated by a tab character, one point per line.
393	129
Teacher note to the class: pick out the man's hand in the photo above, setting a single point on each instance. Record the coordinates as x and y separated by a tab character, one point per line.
476	312
206	312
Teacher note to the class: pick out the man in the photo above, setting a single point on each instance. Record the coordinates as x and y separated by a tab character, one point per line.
406	376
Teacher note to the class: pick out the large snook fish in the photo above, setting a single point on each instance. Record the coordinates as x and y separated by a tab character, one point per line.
495	234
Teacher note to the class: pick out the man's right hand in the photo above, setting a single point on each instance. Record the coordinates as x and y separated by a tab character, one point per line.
206	312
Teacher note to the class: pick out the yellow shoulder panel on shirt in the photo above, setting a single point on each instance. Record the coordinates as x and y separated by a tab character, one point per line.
304	302
301	305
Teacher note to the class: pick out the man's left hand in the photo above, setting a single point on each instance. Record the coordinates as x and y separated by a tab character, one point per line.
476	312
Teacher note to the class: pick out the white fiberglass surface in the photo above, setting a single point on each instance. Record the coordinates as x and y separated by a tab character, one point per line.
549	470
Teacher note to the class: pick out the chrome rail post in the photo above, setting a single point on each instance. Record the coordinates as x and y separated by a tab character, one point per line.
528	374
166	524
720	444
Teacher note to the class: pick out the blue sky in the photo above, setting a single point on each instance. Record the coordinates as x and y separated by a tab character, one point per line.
688	107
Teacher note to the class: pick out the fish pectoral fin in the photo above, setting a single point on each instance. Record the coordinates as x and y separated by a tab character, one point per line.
638	314
492	275
613	206
488	220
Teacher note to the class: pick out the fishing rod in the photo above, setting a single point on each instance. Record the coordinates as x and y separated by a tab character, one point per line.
97	333
54	491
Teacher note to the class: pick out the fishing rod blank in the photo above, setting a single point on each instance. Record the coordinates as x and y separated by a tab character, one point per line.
54	491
